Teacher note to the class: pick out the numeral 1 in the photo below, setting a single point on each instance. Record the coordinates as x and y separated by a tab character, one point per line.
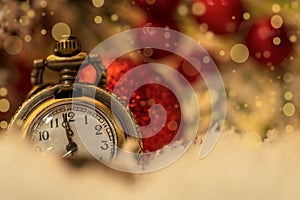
85	119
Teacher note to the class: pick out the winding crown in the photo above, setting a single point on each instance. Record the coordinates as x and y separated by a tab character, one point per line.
67	46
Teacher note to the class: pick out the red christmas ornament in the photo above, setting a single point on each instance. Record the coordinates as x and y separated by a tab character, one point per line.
221	16
157	8
141	101
268	41
190	73
149	36
23	84
14	86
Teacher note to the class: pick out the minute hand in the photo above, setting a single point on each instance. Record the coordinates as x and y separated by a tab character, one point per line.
71	146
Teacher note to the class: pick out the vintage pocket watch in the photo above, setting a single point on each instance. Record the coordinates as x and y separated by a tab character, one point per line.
56	116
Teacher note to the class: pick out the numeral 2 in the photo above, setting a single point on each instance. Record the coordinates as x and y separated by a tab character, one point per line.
98	129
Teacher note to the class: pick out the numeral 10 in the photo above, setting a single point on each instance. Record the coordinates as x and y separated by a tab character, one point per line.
44	135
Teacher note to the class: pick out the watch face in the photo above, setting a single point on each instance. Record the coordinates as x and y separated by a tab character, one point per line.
57	128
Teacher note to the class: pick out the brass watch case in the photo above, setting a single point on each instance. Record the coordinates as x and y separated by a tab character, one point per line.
124	123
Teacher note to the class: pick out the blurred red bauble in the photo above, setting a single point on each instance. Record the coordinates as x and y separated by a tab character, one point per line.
141	101
14	87
221	16
268	41
149	37
156	8
190	73
23	84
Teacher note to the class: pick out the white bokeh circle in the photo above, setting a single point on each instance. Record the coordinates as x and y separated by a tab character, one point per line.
120	44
